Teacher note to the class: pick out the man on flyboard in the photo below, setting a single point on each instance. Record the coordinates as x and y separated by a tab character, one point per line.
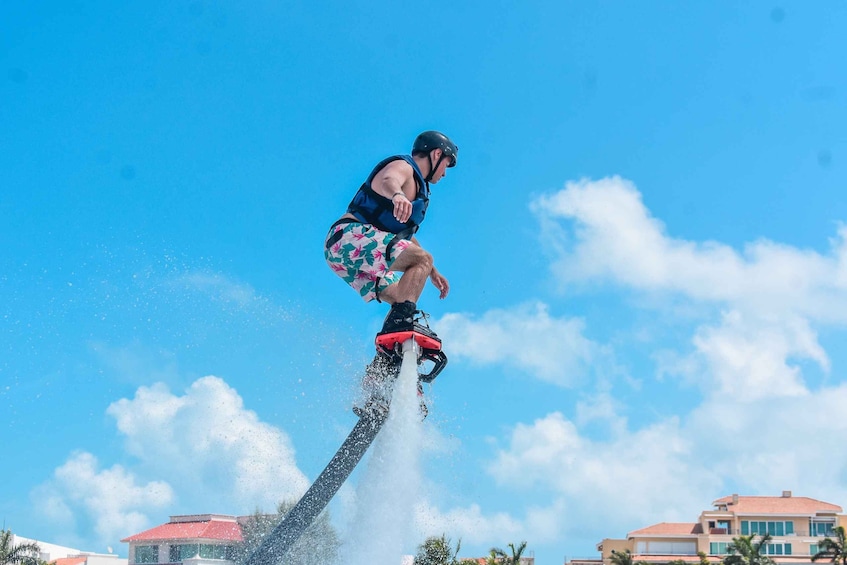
373	245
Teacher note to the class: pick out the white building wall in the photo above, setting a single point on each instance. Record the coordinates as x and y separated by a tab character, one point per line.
51	551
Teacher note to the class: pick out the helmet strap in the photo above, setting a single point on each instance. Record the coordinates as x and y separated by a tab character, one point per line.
431	167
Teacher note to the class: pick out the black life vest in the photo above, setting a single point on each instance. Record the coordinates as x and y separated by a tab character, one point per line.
372	208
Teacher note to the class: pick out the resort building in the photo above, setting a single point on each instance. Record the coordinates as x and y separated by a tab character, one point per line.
796	525
203	539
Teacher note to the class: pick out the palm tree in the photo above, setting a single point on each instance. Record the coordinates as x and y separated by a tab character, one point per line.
437	551
621	557
505	559
743	551
23	554
833	549
624	558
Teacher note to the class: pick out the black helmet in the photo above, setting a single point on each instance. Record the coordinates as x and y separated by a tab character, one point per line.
429	140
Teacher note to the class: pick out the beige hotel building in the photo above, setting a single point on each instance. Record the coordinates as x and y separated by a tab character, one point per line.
796	525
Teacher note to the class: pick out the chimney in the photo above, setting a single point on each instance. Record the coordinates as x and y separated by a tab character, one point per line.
735	499
786	494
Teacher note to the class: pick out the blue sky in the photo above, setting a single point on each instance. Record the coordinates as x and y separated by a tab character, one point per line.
644	238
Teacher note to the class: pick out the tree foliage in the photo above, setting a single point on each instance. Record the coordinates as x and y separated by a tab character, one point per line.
624	558
438	550
834	550
318	545
21	554
745	551
504	558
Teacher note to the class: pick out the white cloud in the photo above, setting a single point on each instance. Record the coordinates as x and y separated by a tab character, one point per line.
769	298
616	238
748	359
206	441
594	486
643	470
201	444
112	499
777	443
469	524
750	316
527	338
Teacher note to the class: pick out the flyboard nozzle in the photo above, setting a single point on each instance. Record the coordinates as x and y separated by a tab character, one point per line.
411	345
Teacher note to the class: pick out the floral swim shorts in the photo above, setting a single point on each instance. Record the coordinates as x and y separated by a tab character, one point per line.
362	255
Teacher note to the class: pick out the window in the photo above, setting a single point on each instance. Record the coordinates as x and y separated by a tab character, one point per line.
813	549
218	552
182	552
666	548
718	547
146	553
821	527
761	528
779	549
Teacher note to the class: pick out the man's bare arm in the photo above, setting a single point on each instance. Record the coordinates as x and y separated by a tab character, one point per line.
396	182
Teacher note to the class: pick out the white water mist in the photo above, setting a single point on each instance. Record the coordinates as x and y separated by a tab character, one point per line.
388	490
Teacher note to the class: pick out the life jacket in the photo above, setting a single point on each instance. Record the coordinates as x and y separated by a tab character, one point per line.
377	210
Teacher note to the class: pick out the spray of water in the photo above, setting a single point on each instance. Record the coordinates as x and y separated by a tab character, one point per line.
389	488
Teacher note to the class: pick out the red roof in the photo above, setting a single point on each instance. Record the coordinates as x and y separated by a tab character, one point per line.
669	529
70	561
763	505
217	530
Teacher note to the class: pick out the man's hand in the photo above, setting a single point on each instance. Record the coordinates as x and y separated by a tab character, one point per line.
402	207
439	282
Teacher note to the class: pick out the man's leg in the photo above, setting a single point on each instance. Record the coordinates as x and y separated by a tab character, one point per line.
416	264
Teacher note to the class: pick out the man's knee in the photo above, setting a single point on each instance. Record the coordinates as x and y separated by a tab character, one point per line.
416	256
424	260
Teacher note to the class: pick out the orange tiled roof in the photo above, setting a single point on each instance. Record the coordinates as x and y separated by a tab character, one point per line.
669	529
219	530
70	561
777	505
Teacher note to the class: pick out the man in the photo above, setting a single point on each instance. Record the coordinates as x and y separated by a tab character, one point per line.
375	240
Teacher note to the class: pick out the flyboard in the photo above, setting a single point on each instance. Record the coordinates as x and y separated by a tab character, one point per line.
391	349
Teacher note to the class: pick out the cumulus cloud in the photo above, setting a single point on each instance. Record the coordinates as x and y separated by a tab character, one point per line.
612	236
525	337
644	470
671	469
203	441
748	359
112	500
206	441
752	317
594	487
469	523
769	296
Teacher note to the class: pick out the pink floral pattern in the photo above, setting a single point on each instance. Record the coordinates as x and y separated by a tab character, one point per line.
360	257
